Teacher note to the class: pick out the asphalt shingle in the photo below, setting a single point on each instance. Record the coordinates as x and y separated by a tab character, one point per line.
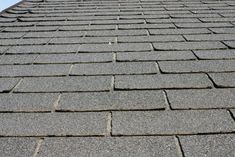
156	55
114	69
209	145
73	58
27	102
65	84
171	122
116	146
202	99
118	100
20	147
43	49
117	78
60	124
6	84
197	66
162	81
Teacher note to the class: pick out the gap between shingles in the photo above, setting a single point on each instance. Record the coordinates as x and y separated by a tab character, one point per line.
179	147
37	147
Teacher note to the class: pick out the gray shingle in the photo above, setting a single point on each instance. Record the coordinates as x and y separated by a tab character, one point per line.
230	44
114	68
54	34
86	28
31	29
162	81
59	124
223	30
179	31
65	84
142	39
203	25
43	49
109	146
172	20
113	22
72	58
198	99
17	59
117	100
188	45
85	40
34	70
62	23
146	26
155	55
215	54
171	122
20	147
228	19
197	66
6	84
116	33
11	42
208	145
27	102
10	35
3	49
210	37
224	79
115	47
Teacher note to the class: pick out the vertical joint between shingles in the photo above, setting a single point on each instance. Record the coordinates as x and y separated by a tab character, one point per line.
39	143
109	124
231	114
56	103
17	84
179	146
168	104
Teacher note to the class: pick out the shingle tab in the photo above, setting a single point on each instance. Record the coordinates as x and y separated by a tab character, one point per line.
115	47
197	66
6	84
20	147
188	45
60	124
155	55
27	102
72	58
178	31
114	68
224	79
116	33
215	54
114	146
34	70
117	100
43	49
210	37
230	44
142	39
171	122
162	81
201	99
17	59
65	84
209	145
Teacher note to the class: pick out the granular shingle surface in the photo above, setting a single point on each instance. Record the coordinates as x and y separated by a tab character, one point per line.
121	78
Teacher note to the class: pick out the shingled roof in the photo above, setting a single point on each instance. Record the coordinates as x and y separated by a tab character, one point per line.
120	78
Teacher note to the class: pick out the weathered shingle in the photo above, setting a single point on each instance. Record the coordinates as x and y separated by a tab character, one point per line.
117	78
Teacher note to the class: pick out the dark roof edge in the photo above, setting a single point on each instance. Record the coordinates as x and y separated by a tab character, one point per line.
12	6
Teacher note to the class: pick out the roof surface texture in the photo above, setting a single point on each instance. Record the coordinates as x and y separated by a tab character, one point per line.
120	78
